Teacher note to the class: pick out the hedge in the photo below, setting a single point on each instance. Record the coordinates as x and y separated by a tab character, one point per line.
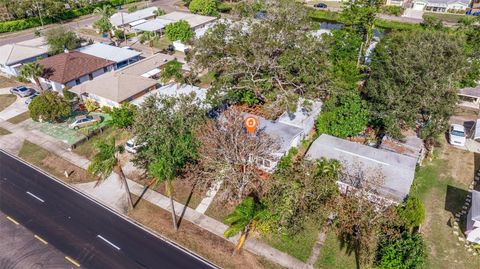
22	24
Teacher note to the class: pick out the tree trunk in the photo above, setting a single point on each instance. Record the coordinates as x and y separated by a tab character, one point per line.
38	83
124	180
169	190
357	258
241	242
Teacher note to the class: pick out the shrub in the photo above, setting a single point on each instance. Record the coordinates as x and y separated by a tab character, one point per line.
171	70
123	116
204	7
179	30
392	10
407	252
91	105
412	213
68	95
224	7
49	106
106	109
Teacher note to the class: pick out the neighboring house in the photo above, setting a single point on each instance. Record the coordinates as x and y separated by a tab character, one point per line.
121	57
72	68
126	84
157	25
195	21
470	97
38	42
441	5
473	219
128	20
174	89
361	161
399	3
12	56
411	146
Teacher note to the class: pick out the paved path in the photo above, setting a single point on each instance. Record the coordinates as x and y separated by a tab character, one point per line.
18	107
203	221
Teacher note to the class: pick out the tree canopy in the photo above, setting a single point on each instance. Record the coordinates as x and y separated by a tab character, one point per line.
59	39
204	7
413	80
273	63
123	116
412	213
179	30
171	70
407	252
49	106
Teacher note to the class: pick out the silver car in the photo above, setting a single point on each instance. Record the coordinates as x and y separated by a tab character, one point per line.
83	121
30	98
22	91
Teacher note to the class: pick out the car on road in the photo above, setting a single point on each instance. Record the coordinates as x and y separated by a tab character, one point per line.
456	135
30	98
320	5
132	147
83	121
22	91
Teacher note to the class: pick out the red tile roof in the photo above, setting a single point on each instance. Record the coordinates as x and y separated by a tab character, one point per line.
72	65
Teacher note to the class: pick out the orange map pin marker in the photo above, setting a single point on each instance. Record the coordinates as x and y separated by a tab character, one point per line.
251	124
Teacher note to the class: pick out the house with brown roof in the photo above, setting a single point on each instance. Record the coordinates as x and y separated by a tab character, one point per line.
126	84
72	68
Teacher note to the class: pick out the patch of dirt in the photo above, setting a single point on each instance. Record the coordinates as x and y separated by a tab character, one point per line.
208	245
8	82
58	166
462	164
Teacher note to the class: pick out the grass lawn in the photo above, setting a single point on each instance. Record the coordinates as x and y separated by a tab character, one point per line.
210	246
8	82
53	164
447	17
183	193
162	43
20	117
6	100
442	184
4	131
88	149
299	246
330	4
333	256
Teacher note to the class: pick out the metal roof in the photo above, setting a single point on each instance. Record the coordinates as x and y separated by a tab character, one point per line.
11	54
398	170
109	52
117	20
152	25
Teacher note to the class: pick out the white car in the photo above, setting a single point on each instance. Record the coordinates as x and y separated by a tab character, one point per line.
131	146
457	135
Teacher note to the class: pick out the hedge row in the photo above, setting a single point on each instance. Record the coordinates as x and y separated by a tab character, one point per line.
22	24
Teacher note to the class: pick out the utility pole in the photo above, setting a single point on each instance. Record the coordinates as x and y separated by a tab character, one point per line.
39	13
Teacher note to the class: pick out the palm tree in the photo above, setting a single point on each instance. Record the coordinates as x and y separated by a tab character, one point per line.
149	37
106	161
32	71
159	12
244	219
103	24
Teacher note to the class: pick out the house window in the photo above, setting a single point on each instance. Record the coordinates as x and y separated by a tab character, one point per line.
105	69
90	76
77	81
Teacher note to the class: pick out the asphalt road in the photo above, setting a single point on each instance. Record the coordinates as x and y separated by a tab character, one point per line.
84	230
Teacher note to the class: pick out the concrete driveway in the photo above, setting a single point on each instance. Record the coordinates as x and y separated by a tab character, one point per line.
18	107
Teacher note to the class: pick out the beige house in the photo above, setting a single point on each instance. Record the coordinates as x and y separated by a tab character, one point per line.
469	98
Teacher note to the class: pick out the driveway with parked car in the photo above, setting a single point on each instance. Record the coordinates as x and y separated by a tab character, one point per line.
18	107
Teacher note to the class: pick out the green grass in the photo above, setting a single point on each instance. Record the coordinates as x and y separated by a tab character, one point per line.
4	131
332	256
447	17
6	100
20	117
33	153
299	246
88	148
162	43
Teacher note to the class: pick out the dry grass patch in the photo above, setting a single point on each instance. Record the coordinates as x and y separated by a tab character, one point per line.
53	164
6	100
20	117
8	82
210	246
4	131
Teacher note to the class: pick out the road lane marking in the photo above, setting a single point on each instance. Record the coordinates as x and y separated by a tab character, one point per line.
12	220
40	239
36	197
72	261
110	243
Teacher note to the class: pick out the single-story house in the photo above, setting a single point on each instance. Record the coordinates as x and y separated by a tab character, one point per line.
12	56
394	3
397	170
72	68
302	118
469	97
122	19
194	20
411	145
441	5
120	56
156	25
473	219
174	89
126	84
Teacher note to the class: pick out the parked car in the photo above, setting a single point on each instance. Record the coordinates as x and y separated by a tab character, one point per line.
30	98
456	135
22	91
320	5
83	121
132	147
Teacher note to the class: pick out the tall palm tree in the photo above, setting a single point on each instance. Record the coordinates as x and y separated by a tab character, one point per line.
103	24
150	38
106	161
244	219
32	71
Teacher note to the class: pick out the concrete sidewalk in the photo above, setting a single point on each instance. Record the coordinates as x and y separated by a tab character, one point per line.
102	195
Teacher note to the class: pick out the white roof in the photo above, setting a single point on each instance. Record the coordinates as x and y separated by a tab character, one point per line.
11	54
193	19
152	25
134	23
38	42
302	117
109	52
174	89
116	19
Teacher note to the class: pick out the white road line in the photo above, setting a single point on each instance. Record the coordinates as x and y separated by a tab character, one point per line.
36	197
110	243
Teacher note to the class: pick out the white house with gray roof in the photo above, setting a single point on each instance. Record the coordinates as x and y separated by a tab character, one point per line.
441	5
473	219
122	57
397	170
12	56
